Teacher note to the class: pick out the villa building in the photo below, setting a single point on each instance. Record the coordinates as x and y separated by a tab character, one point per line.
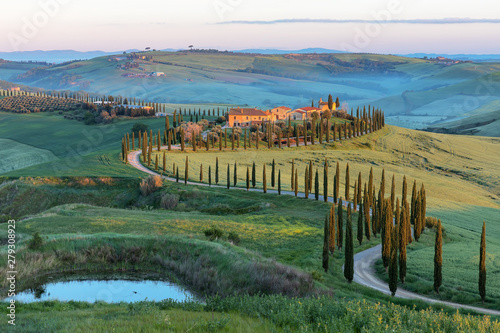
246	116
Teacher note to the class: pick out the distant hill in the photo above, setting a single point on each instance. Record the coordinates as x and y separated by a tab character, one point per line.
472	57
56	56
414	93
276	51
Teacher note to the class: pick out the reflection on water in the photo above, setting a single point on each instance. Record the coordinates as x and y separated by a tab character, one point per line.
111	291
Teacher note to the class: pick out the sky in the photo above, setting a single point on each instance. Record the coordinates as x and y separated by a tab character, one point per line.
378	26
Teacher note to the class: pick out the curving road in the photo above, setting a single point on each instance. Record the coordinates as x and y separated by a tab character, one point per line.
364	272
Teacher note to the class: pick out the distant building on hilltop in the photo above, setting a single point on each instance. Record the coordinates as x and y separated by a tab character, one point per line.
323	106
280	112
157	74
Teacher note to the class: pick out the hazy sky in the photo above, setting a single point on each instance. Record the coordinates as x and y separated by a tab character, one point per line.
389	26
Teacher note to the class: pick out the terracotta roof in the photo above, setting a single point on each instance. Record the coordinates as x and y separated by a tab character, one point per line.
323	103
282	107
309	109
297	110
247	112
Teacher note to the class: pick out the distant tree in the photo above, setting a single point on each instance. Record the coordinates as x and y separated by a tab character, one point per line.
279	182
235	174
209	175
228	177
337	102
186	171
292	180
201	173
164	162
333	229
349	248
217	170
253	175
326	239
403	242
386	233
264	179
316	185
296	186
248	178
139	127
156	162
310	176
347	197
360	223
340	228
393	264
366	212
330	102
306	182
482	265
325	181
393	190
273	171
438	258
336	184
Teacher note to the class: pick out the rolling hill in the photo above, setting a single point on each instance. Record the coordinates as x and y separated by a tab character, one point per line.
414	93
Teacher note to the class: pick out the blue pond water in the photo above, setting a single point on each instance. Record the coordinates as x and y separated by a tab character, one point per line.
112	291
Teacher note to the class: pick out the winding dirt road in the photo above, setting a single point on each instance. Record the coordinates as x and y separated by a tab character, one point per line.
364	262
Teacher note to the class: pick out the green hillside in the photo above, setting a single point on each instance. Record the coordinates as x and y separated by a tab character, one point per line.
414	93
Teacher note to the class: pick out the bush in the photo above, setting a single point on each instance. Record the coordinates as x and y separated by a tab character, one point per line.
150	185
432	223
213	233
234	238
220	120
169	201
36	242
139	127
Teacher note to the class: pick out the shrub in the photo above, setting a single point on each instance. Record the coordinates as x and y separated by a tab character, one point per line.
432	223
139	127
220	120
150	185
169	201
213	233
36	242
234	238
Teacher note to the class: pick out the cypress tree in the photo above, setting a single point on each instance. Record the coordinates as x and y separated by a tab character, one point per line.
201	173
402	243
360	223
366	212
292	181
133	141
296	135
209	175
393	264
164	162
235	175
355	199
177	175
306	183
370	188
158	139
273	171
333	229
409	238
219	136
316	185
359	188
382	184
186	171
296	187
169	140
482	265
347	197
193	140
279	182
232	138
393	190
225	138
413	203
423	203
418	226
257	139
405	189
386	233
182	139
248	178
438	258
326	239
349	248
254	180
340	227
156	162
217	170
310	176
245	139
336	184
264	178
325	182
228	177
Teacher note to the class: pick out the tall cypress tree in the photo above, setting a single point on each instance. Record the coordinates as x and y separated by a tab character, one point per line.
156	162
177	175
482	265
355	199
417	227
370	188
254	180
217	170
336	187
360	223
296	187
393	190
403	242
310	175
292	180
366	212
273	171
393	264
387	233
201	173
349	248
359	188
333	229
209	175
228	176
325	181
438	258
264	178
306	182
164	162
248	178
316	185
347	197
279	182
235	174
405	189
326	239
340	227
186	171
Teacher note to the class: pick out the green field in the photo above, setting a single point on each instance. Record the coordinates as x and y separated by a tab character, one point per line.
16	156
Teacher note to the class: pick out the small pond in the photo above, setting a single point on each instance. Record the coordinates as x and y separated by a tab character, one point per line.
110	291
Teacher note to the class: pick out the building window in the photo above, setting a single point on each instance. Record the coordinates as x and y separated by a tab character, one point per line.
247	117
